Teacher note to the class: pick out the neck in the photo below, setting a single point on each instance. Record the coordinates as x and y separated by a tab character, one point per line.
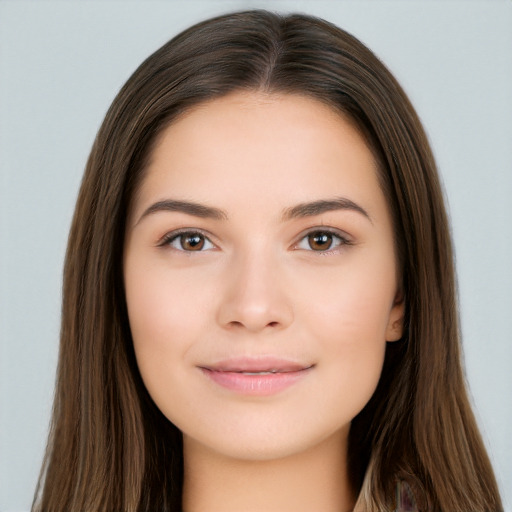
316	479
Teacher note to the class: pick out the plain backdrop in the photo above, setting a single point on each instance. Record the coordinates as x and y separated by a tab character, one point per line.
62	62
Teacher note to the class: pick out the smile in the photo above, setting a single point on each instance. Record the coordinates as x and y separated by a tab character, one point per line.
256	377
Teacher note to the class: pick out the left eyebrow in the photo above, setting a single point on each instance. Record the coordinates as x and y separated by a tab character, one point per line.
322	206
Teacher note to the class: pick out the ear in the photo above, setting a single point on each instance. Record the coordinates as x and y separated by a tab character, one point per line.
395	328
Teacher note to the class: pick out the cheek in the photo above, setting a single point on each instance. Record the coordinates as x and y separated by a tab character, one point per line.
355	345
349	318
165	317
353	305
164	308
153	317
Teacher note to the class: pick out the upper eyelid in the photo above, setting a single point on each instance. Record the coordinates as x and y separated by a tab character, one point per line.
325	229
314	229
344	239
171	235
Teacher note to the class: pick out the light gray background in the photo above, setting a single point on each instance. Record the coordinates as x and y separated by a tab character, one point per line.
61	63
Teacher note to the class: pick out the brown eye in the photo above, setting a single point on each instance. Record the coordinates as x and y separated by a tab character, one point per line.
320	241
190	241
194	242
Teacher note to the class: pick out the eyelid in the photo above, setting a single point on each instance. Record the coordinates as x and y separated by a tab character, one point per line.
341	235
165	240
344	238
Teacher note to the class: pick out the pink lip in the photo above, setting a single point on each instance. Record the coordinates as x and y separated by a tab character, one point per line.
238	374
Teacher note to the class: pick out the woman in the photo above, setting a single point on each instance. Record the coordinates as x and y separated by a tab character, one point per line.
259	299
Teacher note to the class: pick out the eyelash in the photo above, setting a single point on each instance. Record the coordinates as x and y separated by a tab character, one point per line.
173	236
333	234
169	238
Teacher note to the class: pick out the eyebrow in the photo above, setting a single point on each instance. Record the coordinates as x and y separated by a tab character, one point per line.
301	210
323	206
188	207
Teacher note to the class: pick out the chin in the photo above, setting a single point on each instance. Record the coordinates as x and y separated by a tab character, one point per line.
266	442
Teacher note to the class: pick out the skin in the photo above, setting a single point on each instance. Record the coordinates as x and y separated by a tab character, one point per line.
255	285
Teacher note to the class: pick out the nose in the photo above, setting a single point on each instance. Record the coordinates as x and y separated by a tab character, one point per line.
255	297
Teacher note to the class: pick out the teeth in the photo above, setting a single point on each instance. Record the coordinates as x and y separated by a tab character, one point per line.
269	372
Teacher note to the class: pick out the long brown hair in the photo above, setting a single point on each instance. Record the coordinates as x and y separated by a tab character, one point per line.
110	448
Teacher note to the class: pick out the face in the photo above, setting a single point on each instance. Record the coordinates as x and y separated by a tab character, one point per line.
260	275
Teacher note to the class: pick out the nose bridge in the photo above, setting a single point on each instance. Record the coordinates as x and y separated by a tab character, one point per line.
255	296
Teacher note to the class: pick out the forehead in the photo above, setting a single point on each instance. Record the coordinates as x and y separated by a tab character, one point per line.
260	148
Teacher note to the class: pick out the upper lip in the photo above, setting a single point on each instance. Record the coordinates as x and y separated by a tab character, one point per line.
256	364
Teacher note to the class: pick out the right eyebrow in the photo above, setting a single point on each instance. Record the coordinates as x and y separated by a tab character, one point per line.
188	207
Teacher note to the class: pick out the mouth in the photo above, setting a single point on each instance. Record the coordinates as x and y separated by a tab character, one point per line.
262	372
256	377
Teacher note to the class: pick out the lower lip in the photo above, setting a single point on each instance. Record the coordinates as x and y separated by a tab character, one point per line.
255	385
